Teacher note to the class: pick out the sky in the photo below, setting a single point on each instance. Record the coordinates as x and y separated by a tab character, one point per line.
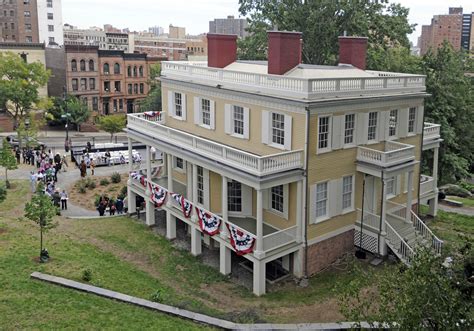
195	15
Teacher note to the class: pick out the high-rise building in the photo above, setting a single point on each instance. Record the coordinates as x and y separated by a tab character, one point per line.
177	32
455	27
229	25
156	30
19	20
50	22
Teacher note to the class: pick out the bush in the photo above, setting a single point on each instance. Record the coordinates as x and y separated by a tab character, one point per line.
157	296
104	182
92	185
3	193
87	275
116	178
82	186
123	191
467	186
89	182
451	189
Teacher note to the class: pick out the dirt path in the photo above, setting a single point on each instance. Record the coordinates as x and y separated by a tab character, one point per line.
468	211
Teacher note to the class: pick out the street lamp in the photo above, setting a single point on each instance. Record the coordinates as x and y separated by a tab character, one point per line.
66	114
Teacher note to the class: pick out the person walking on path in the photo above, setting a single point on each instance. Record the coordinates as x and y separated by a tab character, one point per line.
83	169
119	206
112	208
92	166
64	199
64	163
33	180
101	208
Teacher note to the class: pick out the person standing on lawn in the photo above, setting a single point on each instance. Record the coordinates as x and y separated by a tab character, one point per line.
64	199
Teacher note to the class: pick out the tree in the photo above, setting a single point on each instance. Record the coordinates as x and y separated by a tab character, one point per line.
42	211
322	22
20	83
153	100
112	124
7	160
28	130
427	295
77	110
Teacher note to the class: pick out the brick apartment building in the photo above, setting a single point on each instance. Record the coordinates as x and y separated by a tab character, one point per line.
19	21
108	81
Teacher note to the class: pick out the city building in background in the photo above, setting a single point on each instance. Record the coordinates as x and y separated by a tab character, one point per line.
156	30
50	22
455	27
19	21
176	32
229	25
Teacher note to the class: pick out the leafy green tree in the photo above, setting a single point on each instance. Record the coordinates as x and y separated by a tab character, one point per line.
77	110
7	160
322	22
20	83
41	211
426	295
153	101
451	104
28	130
112	124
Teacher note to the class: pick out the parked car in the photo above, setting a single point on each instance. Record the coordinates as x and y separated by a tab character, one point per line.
30	141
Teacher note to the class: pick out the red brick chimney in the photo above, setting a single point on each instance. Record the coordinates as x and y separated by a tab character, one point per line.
353	50
221	50
284	51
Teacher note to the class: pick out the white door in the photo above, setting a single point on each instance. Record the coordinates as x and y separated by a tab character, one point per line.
370	195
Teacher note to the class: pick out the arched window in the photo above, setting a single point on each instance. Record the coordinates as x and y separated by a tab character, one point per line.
140	70
116	68
106	68
135	71
129	71
74	65
82	65
91	65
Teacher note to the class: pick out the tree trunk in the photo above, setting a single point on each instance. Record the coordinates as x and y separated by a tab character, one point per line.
7	183
111	137
41	239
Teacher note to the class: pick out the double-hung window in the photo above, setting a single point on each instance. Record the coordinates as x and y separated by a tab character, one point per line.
178	104
411	119
278	129
372	126
391	186
349	127
321	200
234	196
392	123
323	133
238	120
200	185
277	199
206	112
347	192
179	164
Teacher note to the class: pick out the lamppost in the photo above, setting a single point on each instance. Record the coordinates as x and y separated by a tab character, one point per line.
66	114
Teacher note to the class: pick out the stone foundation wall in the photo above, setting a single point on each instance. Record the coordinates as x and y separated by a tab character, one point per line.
322	254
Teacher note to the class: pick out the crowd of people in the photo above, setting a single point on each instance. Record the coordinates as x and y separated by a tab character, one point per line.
106	204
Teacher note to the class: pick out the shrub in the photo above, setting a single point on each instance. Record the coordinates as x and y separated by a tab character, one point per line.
92	185
123	191
87	275
82	186
467	186
157	296
3	193
451	189
116	178
104	182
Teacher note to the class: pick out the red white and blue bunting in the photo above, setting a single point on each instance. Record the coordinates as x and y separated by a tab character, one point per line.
209	223
155	172
158	194
185	205
151	114
138	177
242	242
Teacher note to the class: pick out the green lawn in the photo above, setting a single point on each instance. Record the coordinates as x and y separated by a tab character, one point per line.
467	202
29	304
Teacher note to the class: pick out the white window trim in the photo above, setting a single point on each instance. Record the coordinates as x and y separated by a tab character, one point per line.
411	134
176	168
326	217
267	138
205	173
229	122
352	206
329	148
394	193
377	128
286	198
270	133
397	126
247	202
354	133
172	105
198	113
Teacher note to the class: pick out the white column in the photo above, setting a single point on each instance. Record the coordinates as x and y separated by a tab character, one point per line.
130	155
189	181
409	196
169	165
132	202
164	169
150	212
224	259
225	213
298	263
299	211
196	245
170	226
148	163
383	212
259	278
194	183
435	166
259	253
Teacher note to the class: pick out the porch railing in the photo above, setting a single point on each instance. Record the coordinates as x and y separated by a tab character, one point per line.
280	238
396	209
394	153
431	131
370	220
397	243
427	184
426	233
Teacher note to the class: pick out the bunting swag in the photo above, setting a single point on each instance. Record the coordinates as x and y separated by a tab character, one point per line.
155	172
186	206
208	223
138	177
151	114
158	195
242	242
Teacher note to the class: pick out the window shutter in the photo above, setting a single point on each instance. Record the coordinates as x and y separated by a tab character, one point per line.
170	104
419	119
312	202
213	114
197	111
228	118
403	122
361	128
333	199
337	131
183	98
288	130
246	123
286	200
265	126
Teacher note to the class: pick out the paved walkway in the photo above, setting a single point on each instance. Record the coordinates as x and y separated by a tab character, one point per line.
458	210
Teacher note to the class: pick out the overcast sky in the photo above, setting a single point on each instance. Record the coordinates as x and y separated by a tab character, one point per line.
195	14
